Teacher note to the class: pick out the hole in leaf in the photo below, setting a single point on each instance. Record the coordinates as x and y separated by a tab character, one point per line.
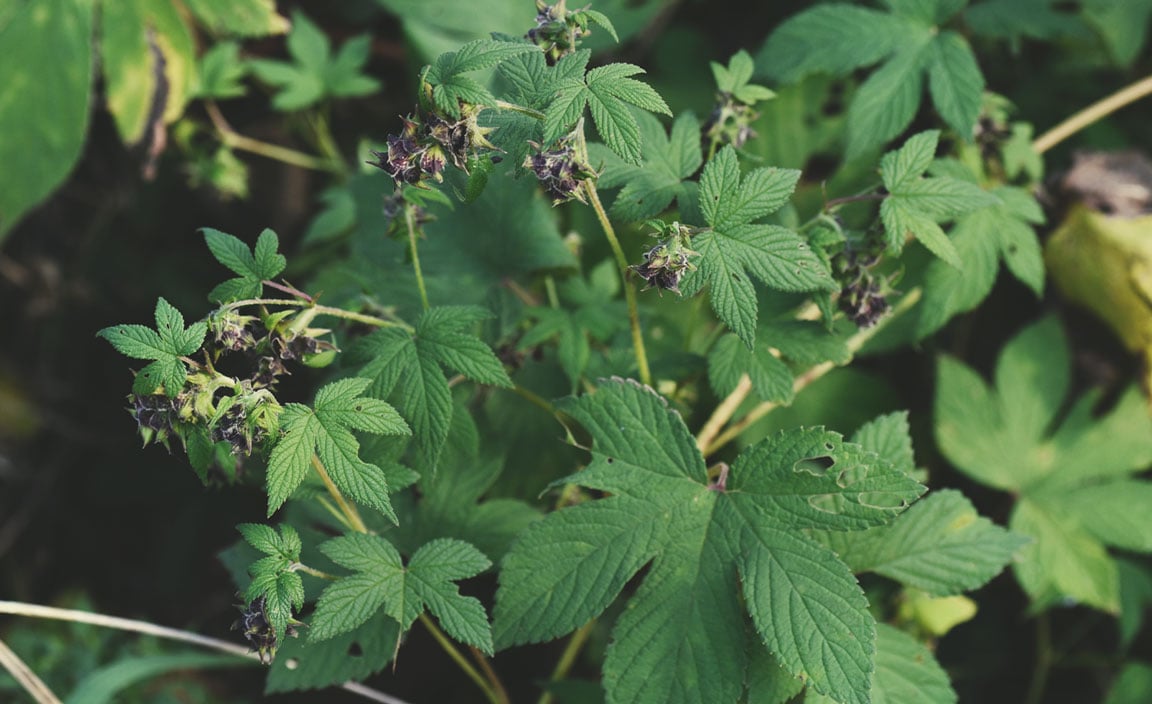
816	466
354	650
291	664
736	277
359	407
610	460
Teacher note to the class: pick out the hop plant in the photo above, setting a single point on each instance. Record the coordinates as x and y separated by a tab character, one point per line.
560	171
666	262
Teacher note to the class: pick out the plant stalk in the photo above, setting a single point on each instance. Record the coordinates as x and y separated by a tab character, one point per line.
460	660
26	678
346	508
231	138
629	290
724	412
1092	114
568	657
802	381
410	222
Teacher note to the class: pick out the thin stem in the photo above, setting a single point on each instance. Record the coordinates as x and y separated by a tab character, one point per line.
1044	658
290	290
320	310
24	675
327	142
301	567
493	678
724	412
1093	113
346	508
802	381
410	221
462	661
568	657
836	202
550	289
629	291
505	105
534	398
235	140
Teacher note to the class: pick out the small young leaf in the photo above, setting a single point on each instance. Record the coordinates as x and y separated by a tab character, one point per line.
167	344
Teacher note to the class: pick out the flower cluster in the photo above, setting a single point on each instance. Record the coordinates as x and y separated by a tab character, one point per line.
665	263
428	142
258	631
730	122
558	32
863	292
560	170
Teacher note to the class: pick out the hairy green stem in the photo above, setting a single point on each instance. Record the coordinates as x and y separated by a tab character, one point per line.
802	381
17	608
629	290
410	222
301	567
320	310
460	660
513	107
568	657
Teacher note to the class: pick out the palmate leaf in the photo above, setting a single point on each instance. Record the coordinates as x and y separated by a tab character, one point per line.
380	580
315	73
413	363
1073	477
650	186
839	38
450	87
253	266
683	636
606	91
303	663
915	205
733	250
166	344
325	433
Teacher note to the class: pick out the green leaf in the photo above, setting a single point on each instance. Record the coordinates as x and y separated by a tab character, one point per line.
411	364
46	71
441	333
105	684
149	61
221	72
890	437
940	546
771	378
253	268
906	671
1015	19
901	220
381	580
450	87
734	79
239	18
667	160
887	101
167	344
324	434
955	82
315	74
673	642
303	663
926	11
833	38
607	91
1070	472
733	251
915	205
1122	25
1132	686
